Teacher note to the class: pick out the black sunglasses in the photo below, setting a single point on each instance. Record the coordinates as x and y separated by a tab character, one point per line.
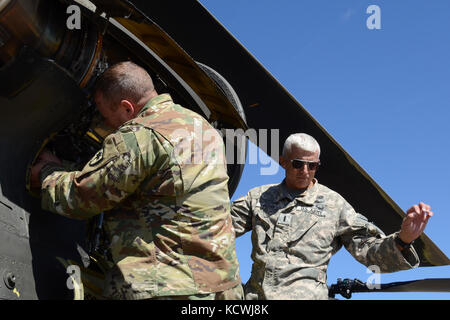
298	164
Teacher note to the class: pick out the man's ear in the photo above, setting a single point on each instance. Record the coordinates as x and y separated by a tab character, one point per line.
283	162
128	107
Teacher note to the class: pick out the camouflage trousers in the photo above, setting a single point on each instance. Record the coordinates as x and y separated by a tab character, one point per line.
235	293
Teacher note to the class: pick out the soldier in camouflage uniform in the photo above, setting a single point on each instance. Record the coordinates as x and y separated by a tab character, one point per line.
299	224
161	180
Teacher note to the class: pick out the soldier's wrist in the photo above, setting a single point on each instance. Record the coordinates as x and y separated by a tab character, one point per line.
401	244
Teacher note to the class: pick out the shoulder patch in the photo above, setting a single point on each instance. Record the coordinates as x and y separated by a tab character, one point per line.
97	158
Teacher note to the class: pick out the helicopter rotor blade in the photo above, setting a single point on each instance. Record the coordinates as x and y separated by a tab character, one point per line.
425	285
347	287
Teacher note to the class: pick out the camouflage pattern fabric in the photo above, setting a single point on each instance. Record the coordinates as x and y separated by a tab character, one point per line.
161	180
236	293
294	238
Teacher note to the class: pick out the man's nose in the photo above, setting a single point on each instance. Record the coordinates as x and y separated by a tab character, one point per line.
303	169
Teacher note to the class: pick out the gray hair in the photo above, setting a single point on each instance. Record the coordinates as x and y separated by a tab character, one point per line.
303	141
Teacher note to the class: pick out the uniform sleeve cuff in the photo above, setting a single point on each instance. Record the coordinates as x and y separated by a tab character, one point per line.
48	169
408	256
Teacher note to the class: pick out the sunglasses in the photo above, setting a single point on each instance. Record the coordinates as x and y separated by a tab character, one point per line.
298	164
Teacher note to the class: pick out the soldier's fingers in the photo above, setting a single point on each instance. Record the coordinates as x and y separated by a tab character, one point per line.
411	215
413	210
428	215
424	206
425	222
420	217
424	216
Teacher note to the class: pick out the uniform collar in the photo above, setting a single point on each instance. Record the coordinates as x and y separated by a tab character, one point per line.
156	104
308	196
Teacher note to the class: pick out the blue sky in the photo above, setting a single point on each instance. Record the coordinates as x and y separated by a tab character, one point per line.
384	95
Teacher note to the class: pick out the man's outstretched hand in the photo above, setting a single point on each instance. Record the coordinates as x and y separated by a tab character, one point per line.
415	222
45	157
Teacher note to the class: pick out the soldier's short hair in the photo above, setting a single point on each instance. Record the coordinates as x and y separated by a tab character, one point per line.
124	80
303	141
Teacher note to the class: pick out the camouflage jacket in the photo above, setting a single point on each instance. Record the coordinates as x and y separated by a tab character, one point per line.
161	180
294	238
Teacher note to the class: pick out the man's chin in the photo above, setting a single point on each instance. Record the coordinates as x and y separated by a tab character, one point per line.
302	183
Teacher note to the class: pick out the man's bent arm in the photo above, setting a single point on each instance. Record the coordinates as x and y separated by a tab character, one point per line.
107	179
370	246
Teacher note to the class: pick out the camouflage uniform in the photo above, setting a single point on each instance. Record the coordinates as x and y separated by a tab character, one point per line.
294	238
162	180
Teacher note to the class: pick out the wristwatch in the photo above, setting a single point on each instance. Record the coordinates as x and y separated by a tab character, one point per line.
402	244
